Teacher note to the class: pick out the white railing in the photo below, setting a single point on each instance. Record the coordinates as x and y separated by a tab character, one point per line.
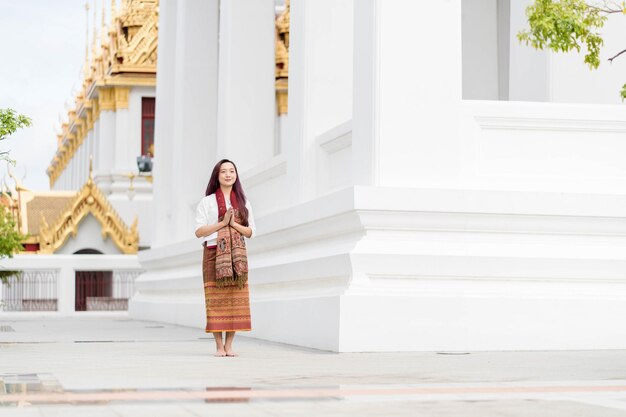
69	284
32	290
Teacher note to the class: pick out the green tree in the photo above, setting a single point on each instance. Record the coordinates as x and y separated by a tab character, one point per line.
10	237
10	241
10	122
566	25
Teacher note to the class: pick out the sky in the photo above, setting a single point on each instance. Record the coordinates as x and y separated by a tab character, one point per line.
42	53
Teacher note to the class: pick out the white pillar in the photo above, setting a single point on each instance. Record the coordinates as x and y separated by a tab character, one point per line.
106	149
164	124
186	114
246	90
120	183
320	84
66	288
529	67
407	99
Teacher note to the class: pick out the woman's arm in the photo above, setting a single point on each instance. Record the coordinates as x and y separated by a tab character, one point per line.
245	231
209	229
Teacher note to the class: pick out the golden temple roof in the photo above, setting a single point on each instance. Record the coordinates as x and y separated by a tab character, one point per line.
89	200
47	206
50	218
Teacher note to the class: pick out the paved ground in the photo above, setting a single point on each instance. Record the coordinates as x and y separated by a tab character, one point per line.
117	367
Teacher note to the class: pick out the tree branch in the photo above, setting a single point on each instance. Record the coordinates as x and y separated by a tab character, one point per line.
607	8
615	56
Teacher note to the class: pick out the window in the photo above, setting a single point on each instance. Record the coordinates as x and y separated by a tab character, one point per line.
147	125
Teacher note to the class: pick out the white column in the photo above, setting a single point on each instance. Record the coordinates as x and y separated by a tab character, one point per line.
365	133
164	124
84	159
66	290
320	84
529	68
106	150
186	115
94	144
480	49
123	142
246	89
407	98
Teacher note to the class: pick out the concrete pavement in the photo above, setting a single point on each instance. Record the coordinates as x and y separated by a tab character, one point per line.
114	366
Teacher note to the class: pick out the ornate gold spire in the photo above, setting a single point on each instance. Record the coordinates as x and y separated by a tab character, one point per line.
86	35
124	59
95	27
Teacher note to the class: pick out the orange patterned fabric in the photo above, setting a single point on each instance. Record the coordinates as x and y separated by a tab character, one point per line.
227	308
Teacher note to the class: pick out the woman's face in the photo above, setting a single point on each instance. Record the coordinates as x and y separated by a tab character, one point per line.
228	175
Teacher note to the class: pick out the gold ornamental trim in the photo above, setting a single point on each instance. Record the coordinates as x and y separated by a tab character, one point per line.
106	99
282	59
121	97
89	200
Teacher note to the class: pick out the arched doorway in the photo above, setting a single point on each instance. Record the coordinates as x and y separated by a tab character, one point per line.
92	287
88	251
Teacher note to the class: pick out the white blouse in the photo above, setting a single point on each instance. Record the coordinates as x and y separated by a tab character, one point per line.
207	213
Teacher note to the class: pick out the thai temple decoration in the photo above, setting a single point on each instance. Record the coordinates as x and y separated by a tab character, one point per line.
126	57
282	59
48	219
89	200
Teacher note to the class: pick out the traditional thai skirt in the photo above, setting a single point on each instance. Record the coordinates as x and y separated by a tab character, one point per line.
227	308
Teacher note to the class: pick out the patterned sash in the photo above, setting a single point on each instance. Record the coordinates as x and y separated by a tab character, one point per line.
231	262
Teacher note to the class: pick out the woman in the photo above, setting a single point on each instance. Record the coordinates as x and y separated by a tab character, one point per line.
223	219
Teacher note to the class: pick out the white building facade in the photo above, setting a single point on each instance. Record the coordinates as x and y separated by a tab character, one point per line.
417	196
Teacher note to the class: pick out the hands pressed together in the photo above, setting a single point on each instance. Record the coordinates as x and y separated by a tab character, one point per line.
229	218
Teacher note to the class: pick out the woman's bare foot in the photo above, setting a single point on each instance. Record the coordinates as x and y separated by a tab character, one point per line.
231	353
220	353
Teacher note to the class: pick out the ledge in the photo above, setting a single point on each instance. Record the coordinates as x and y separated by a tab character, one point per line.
264	172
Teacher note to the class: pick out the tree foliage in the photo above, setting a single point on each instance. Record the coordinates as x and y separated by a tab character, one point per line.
10	237
566	25
10	241
10	122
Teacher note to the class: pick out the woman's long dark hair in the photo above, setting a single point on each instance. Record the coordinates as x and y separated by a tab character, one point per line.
240	196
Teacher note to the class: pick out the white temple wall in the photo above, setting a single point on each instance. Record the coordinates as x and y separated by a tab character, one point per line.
544	147
419	139
320	87
265	185
89	236
445	224
126	157
131	199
